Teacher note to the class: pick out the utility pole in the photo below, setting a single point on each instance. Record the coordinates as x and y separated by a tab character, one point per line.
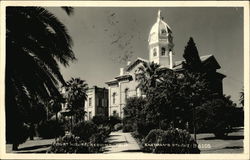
194	129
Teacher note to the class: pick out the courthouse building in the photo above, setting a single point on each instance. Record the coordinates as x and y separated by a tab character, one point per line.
161	47
97	102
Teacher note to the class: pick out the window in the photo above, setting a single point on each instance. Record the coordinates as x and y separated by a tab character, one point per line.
163	31
113	96
100	102
154	52
138	92
103	104
163	51
90	115
115	113
90	101
97	101
126	93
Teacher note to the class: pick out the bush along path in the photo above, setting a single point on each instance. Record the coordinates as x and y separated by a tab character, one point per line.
119	142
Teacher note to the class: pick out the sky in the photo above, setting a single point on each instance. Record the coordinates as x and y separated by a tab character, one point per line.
106	37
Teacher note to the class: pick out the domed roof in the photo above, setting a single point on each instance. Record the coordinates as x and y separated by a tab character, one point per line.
159	29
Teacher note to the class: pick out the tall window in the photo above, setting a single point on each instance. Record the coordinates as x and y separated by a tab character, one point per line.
113	97
138	92
103	103
90	101
154	52
100	102
90	115
126	93
163	51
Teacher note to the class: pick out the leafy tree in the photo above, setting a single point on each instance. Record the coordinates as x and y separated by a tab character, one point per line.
76	96
217	116
191	56
34	50
134	112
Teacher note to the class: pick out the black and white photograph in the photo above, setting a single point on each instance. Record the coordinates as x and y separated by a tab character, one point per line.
132	80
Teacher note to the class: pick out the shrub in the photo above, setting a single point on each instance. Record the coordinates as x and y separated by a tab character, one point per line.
151	139
100	119
50	129
170	141
143	128
221	130
128	128
69	144
105	130
85	130
118	126
164	124
113	120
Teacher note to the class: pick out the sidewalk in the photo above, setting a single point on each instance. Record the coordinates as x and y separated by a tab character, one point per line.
120	142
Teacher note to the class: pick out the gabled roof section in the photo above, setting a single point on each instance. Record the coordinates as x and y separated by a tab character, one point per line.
112	82
137	61
208	61
124	77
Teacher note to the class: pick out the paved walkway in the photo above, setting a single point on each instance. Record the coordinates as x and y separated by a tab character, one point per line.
120	142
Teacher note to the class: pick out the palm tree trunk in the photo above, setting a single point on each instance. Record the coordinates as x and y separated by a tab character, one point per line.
32	130
56	116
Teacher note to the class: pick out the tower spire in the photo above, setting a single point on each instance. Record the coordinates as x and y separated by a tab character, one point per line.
161	43
159	17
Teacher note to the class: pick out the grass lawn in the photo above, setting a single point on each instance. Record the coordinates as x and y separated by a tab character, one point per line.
32	146
232	144
207	144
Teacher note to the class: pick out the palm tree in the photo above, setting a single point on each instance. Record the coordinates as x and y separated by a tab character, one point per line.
148	75
76	96
36	42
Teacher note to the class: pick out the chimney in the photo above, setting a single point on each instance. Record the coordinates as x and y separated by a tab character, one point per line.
128	63
121	71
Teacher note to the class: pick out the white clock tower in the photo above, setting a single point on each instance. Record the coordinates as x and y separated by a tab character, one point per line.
161	43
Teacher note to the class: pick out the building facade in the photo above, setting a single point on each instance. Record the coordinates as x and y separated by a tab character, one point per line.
160	43
96	103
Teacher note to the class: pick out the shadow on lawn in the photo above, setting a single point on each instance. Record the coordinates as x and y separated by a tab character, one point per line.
34	147
233	147
131	150
225	138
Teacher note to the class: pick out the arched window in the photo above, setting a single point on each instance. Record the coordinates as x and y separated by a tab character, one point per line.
163	31
154	52
126	93
113	97
163	51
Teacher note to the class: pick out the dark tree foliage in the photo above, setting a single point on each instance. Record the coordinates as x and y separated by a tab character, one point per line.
76	96
147	76
191	56
134	112
100	120
218	116
36	42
